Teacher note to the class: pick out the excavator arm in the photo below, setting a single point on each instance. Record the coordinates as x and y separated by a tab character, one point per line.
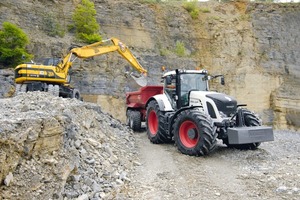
99	48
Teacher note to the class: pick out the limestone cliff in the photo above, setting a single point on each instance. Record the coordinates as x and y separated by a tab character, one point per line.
256	47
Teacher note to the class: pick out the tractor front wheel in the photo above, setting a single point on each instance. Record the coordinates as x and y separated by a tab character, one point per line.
250	120
194	134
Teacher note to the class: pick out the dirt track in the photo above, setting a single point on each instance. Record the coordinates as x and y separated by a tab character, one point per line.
271	172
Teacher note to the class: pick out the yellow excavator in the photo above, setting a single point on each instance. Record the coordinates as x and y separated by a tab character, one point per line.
55	78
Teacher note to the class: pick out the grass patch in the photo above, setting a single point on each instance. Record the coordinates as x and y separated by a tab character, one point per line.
192	9
180	49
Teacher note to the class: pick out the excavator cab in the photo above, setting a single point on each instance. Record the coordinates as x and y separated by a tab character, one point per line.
51	61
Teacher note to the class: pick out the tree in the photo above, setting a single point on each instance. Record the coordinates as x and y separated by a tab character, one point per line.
12	45
85	23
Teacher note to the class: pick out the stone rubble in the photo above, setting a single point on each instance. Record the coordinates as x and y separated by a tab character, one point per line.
57	148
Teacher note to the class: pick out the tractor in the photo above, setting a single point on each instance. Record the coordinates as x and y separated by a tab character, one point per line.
186	112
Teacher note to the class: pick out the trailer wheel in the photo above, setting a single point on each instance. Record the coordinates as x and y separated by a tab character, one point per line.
128	117
194	134
250	120
135	120
155	121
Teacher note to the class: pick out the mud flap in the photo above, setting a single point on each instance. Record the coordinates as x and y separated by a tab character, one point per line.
253	134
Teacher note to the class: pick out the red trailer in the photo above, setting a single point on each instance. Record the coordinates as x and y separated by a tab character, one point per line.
136	105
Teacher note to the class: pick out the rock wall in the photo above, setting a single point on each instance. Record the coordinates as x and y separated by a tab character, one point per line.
254	45
277	31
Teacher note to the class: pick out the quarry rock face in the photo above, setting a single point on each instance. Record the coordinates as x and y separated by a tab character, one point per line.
256	47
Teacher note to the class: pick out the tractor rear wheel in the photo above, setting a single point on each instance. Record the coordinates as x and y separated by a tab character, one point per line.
194	134
135	120
250	120
155	121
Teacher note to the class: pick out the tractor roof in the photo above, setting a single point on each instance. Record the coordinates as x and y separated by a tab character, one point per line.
182	71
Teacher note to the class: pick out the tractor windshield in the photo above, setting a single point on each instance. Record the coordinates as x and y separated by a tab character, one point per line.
194	81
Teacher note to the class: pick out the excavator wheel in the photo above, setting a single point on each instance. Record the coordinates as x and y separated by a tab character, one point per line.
23	88
56	90
155	122
194	134
250	120
76	94
20	88
51	89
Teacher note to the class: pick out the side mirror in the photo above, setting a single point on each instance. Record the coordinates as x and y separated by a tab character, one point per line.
168	80
206	78
222	80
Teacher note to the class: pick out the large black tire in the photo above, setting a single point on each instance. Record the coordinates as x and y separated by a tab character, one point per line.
17	89
194	134
76	94
250	120
51	89
135	120
56	90
128	117
155	121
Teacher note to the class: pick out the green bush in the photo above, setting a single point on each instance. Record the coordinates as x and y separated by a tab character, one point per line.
12	45
205	10
52	27
89	38
164	52
194	14
192	8
180	49
85	23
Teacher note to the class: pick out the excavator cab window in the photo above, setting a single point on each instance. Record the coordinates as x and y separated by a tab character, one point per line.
51	61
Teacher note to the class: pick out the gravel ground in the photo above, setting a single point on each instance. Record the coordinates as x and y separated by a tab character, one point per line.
270	172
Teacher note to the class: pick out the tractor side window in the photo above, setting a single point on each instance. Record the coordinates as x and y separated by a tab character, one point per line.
186	86
170	88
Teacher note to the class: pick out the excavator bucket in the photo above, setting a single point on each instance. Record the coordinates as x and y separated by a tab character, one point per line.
141	80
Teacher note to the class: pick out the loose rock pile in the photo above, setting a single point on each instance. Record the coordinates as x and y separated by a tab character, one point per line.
56	148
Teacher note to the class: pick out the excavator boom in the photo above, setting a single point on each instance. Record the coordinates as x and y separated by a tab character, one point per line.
97	49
